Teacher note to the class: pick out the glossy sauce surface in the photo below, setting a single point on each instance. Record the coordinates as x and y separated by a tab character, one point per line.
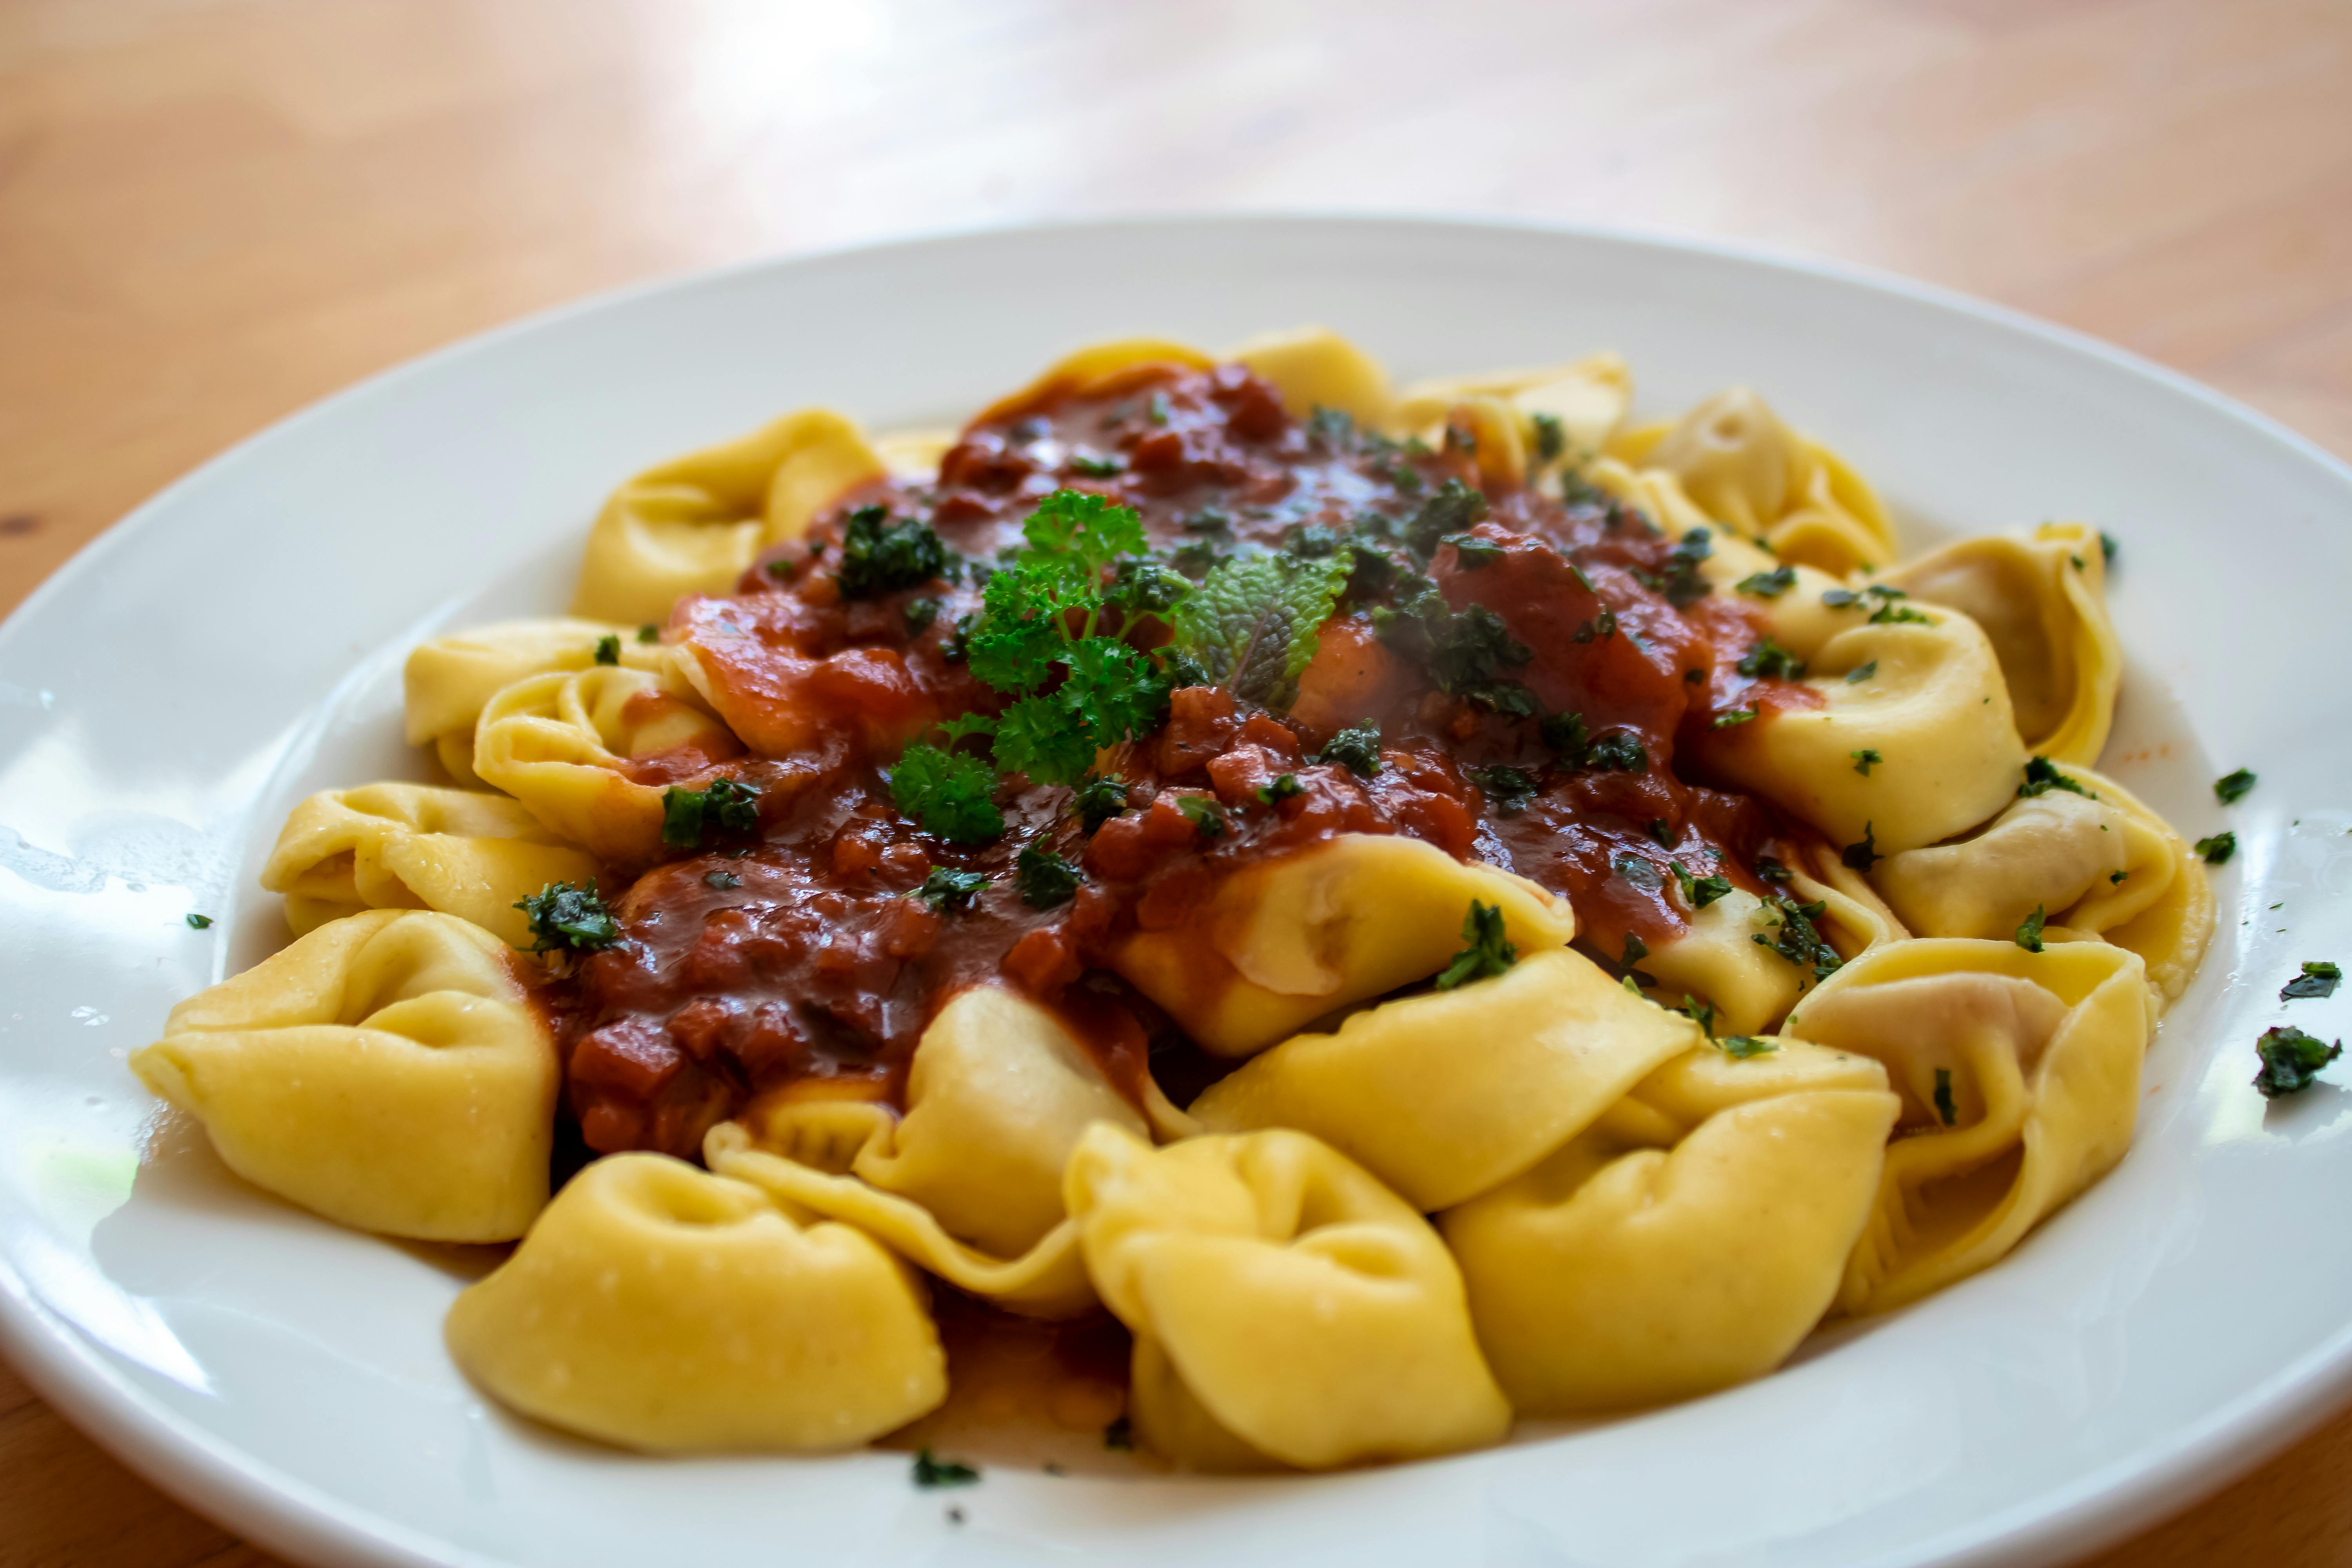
791	958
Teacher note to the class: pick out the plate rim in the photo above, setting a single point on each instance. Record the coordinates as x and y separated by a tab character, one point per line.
256	1499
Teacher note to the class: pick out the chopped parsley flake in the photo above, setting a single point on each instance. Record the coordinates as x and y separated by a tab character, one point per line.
2028	934
2231	788
1473	552
1861	672
1356	748
199	923
1564	733
1207	817
1796	938
608	649
920	614
1100	798
2316	980
1697	1012
879	556
1454	508
2217	849
649	633
1768	869
1684	584
1861	856
1551	436
1736	716
2108	547
691	816
1769	658
1742	1047
1664	832
563	916
1487	952
932	1472
1094	466
2041	776
1510	789
1642	874
1946	1111
1620	750
1700	891
948	890
2291	1060
1045	879
1119	1436
1283	787
947	794
722	881
1770	585
1863	759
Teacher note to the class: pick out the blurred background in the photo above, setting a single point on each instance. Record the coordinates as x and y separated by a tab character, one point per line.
212	212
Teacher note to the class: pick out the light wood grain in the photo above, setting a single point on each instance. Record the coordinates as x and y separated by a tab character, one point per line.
214	211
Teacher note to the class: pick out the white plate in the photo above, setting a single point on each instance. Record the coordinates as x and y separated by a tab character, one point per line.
235	643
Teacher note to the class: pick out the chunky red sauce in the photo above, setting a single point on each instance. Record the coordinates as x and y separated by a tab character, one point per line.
791	958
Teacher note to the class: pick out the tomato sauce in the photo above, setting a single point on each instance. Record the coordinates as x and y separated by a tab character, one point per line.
795	956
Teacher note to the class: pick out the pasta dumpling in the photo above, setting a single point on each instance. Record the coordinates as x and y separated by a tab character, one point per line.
968	1182
695	524
448	681
1084	368
1585	400
1686	1243
1929	704
2019	1074
1716	959
1315	367
1286	1307
403	845
1281	943
1750	472
2041	597
388	1072
1445	1095
2085	853
574	748
658	1307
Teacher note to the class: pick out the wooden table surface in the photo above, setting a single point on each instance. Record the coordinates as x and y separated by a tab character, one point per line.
214	211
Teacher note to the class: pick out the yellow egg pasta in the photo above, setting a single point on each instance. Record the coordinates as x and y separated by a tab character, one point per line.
1445	1095
2041	597
448	681
1285	942
695	524
968	1183
388	1071
1685	1243
1930	707
562	745
1315	367
414	847
1286	1307
2019	1073
1584	401
657	1307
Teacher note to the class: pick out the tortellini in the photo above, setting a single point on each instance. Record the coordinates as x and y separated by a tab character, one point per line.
695	524
2091	859
2019	1074
1688	1241
657	1307
1930	707
1717	961
1315	367
969	1183
449	680
1584	401
1752	473
1083	368
1445	1095
388	1071
404	846
1286	1307
2041	597
1281	942
564	745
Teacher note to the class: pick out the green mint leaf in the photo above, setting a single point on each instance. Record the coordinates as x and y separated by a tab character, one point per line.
1254	622
1487	952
